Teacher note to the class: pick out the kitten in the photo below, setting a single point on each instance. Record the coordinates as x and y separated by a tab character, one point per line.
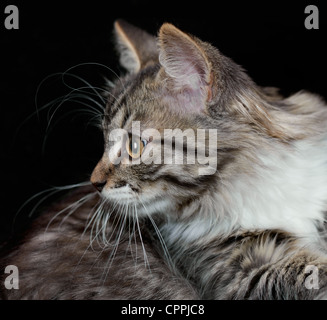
244	219
251	229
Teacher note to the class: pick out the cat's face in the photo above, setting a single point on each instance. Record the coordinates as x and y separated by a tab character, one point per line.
142	147
173	124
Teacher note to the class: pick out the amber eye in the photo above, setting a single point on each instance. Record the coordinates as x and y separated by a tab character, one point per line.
135	146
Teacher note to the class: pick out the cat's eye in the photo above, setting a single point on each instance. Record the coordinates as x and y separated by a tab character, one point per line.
135	146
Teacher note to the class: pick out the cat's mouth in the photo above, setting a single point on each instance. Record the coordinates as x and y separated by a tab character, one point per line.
124	194
129	201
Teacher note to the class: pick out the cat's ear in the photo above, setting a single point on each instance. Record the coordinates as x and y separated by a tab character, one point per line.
136	47
185	62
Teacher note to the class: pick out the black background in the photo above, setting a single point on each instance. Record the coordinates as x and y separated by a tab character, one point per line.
268	39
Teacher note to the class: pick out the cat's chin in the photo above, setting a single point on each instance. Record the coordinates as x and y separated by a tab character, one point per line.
131	202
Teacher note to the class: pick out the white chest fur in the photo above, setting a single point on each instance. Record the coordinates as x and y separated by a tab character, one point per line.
288	191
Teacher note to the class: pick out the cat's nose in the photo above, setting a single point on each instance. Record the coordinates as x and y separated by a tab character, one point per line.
99	185
99	175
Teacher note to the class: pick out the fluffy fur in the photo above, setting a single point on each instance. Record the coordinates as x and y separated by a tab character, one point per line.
62	258
246	231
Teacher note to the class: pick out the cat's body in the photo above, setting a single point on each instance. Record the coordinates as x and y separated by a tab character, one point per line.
60	258
249	229
258	264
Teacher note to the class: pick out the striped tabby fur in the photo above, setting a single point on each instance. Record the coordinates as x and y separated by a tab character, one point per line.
250	230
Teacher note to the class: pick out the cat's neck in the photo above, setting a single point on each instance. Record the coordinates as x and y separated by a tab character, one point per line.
287	192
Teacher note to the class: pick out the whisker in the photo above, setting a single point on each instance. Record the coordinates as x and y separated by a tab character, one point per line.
161	239
63	75
114	251
99	207
92	87
68	97
134	256
74	206
146	261
107	241
95	224
81	112
101	65
79	89
52	191
91	217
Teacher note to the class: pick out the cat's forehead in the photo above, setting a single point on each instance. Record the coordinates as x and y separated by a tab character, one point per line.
137	87
141	98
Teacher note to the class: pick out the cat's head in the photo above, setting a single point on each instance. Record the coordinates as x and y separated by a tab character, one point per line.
181	94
